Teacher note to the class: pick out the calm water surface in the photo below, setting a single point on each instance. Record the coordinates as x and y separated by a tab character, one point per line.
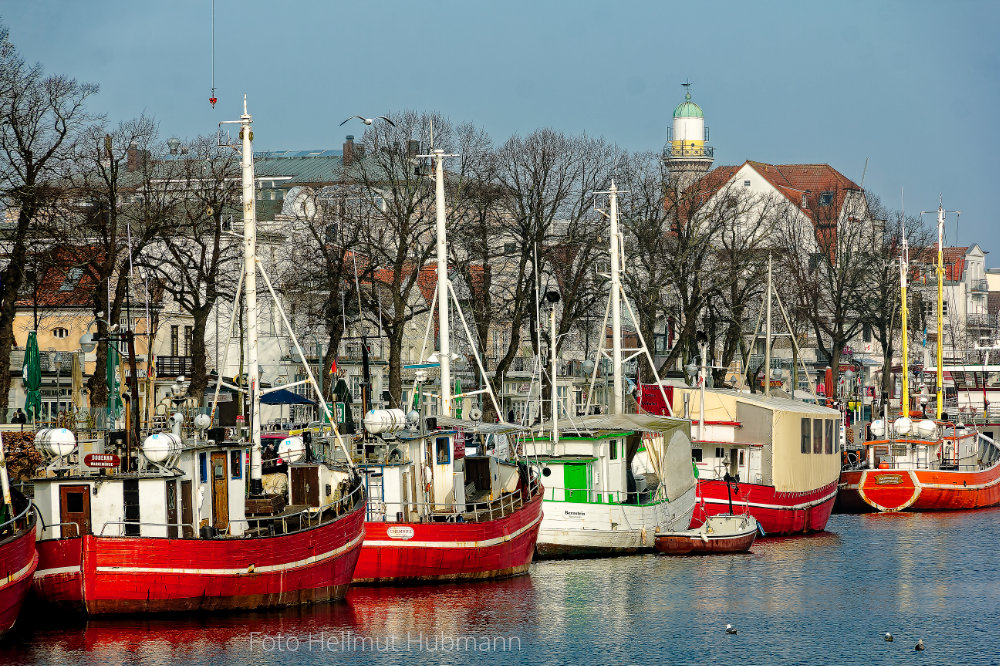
825	598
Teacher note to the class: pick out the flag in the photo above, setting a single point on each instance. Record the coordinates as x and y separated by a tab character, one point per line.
333	367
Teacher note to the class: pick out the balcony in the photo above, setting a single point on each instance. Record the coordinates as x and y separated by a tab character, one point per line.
174	366
694	152
978	320
979	286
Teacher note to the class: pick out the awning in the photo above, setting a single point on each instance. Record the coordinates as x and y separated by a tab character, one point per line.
284	397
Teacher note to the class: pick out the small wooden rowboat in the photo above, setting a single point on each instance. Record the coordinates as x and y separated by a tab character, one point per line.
721	533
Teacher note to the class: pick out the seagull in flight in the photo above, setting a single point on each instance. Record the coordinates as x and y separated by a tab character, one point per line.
369	121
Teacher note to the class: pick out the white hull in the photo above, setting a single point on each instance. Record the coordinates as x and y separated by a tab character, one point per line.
580	529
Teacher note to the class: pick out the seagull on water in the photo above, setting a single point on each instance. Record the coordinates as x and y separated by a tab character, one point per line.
920	645
888	637
730	629
369	121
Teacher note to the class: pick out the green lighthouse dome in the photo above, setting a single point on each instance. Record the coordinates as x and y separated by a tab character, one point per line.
688	109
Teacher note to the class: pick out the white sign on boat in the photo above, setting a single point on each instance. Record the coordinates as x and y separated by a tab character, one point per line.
399	532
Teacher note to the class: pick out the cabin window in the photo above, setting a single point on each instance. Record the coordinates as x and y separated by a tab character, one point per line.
546	471
696	455
817	435
235	464
443	452
720	452
74	502
830	423
741	463
806	434
613	448
203	466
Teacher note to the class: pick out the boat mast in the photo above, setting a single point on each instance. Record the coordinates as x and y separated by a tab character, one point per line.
904	262
444	345
250	292
940	310
767	334
616	306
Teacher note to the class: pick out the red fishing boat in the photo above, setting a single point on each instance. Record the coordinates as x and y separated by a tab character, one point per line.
923	466
174	525
436	514
18	559
174	534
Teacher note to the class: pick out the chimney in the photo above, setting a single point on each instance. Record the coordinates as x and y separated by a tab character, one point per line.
132	162
349	150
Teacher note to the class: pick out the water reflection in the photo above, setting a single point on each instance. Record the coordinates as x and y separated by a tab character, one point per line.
820	598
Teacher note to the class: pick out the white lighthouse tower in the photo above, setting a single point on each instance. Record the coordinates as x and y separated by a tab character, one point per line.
687	153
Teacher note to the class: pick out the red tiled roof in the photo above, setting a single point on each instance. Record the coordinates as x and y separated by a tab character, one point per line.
64	279
954	263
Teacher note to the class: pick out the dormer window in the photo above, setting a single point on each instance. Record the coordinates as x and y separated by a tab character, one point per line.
826	199
805	202
746	183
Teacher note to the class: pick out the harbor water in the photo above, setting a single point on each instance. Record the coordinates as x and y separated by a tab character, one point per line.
826	598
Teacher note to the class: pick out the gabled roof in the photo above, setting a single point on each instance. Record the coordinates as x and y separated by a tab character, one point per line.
792	181
954	262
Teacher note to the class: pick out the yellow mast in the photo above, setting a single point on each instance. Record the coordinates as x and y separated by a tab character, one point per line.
940	313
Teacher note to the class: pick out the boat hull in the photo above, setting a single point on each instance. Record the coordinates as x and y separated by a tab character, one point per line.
895	489
577	529
694	544
18	561
97	575
404	553
779	513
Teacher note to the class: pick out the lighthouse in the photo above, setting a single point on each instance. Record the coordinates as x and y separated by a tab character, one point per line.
687	153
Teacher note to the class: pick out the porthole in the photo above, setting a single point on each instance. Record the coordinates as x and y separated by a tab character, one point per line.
546	471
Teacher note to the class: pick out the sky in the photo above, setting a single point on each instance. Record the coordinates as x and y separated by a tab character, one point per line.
910	89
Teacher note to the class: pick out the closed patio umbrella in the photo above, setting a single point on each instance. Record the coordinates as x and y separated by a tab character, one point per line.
31	373
114	386
76	382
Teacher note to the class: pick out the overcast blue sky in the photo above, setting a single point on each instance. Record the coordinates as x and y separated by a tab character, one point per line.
913	87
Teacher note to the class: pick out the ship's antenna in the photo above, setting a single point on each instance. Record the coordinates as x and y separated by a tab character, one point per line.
212	98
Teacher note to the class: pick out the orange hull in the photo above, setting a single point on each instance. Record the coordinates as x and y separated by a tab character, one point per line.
922	489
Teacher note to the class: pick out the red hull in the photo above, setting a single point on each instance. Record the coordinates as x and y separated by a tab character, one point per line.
18	560
110	575
919	490
450	551
778	513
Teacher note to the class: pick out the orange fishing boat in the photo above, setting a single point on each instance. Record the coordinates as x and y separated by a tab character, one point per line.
923	466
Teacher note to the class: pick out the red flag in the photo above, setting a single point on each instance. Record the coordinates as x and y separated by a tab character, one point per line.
333	367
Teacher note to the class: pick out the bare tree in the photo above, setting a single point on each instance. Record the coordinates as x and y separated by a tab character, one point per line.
195	260
41	117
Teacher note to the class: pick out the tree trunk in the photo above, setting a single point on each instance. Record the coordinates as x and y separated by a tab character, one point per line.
199	355
12	277
395	362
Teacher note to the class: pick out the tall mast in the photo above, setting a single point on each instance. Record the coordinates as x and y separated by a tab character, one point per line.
767	334
904	260
250	292
940	312
616	306
444	347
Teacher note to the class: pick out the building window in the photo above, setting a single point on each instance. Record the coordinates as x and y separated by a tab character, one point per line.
866	333
174	340
806	435
696	454
188	338
826	199
746	183
60	332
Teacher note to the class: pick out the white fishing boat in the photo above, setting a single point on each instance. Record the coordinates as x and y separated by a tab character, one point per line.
595	503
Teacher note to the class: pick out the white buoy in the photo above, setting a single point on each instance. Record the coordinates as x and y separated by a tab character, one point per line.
902	426
878	428
378	421
161	446
56	442
927	428
291	450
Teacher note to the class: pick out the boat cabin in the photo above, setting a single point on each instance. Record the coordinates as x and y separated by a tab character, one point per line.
189	492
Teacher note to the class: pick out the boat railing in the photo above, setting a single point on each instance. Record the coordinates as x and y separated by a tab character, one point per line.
19	522
603	496
505	505
306	518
